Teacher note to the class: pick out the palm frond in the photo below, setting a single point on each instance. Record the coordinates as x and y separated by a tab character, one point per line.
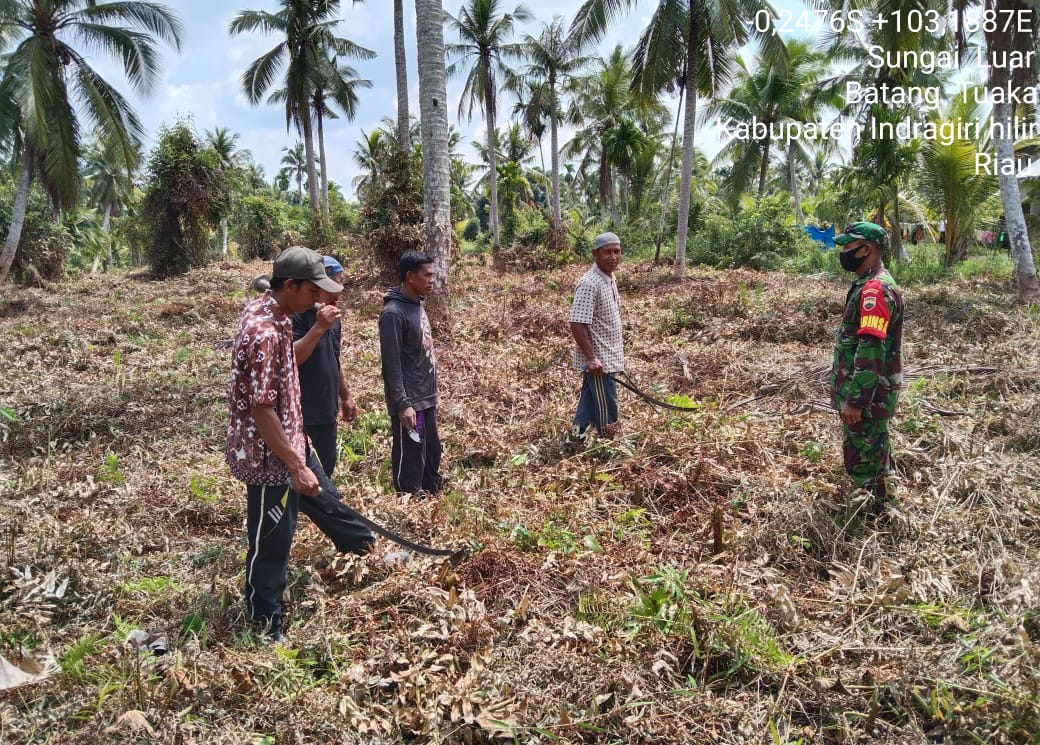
110	114
155	18
659	56
249	21
347	48
134	49
594	17
261	73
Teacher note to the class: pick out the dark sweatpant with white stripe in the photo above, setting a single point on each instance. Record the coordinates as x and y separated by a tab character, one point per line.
271	516
415	466
597	405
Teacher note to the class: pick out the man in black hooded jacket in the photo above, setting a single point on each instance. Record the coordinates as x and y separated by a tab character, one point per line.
409	367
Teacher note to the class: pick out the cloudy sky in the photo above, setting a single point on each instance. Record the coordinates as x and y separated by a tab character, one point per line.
202	81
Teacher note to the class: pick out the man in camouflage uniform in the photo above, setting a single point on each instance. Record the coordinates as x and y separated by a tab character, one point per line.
868	367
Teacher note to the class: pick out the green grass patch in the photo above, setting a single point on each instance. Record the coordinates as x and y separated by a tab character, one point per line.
358	441
150	587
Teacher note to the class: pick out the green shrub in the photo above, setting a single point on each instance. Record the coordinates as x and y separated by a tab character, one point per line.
532	229
186	194
260	227
987	263
320	235
44	244
638	239
472	229
391	217
815	259
537	246
343	215
761	237
925	265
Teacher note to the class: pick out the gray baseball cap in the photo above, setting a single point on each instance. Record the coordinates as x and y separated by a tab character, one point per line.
605	239
299	262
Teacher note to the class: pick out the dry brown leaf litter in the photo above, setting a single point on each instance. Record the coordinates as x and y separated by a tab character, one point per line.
812	623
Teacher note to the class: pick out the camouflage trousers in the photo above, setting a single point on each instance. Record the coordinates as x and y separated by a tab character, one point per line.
868	454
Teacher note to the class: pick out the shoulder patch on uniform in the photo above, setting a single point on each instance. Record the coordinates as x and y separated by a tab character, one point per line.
874	313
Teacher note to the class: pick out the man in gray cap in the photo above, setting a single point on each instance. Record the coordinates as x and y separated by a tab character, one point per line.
595	321
267	446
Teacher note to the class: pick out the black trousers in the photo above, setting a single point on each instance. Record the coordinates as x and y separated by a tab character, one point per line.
323	438
415	466
271	517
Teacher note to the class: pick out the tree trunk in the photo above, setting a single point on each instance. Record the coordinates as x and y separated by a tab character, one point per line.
792	174
541	157
223	237
961	249
606	188
898	247
312	172
617	195
489	114
106	225
689	127
14	232
554	160
324	166
433	113
1015	219
400	63
667	190
763	168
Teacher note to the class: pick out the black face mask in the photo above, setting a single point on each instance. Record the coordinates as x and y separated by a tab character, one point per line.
848	260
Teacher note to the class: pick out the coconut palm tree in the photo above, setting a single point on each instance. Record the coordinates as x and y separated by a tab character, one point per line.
334	84
223	141
48	89
481	56
340	85
608	135
553	60
946	177
306	44
880	167
515	146
294	166
367	157
401	67
852	47
1004	39
532	109
110	186
433	119
772	92
687	43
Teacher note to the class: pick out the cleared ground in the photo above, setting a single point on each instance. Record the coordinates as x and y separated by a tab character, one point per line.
700	579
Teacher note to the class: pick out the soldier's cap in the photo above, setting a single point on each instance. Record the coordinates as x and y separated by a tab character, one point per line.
303	263
605	239
863	231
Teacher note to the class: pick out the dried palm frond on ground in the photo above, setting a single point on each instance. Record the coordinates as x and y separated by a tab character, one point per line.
702	578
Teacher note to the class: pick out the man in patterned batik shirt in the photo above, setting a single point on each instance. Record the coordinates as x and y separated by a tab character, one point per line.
595	321
267	447
867	371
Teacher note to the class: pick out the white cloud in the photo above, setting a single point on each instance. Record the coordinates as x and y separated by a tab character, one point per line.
203	80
